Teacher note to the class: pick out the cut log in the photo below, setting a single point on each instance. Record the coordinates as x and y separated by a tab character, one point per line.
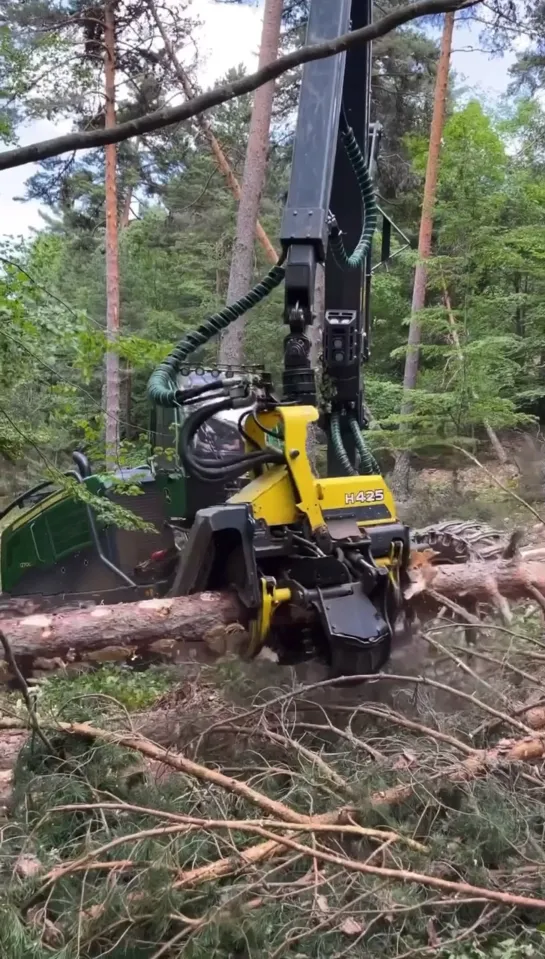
209	625
513	579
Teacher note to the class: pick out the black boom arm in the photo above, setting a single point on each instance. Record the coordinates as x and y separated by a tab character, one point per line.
325	198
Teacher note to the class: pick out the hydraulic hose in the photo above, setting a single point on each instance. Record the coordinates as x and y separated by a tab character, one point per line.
228	468
368	463
162	386
370	210
338	446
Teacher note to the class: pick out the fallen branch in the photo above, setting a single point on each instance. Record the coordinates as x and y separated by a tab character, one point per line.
167	116
188	824
184	765
353	865
531	748
404	875
470	769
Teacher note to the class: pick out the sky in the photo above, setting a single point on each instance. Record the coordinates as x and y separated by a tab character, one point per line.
230	36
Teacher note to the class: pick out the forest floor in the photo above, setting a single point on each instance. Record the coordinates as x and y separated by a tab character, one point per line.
246	811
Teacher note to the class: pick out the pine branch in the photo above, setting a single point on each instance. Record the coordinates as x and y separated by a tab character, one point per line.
167	116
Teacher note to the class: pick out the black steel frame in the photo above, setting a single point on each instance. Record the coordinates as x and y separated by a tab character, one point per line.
322	180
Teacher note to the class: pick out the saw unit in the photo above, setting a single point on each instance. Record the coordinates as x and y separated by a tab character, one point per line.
318	562
289	540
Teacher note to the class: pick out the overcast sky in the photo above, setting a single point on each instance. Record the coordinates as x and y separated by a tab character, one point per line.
230	36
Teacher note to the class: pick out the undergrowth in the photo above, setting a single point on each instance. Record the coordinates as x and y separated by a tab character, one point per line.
83	880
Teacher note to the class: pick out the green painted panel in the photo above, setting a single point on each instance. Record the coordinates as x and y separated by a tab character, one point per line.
44	534
58	526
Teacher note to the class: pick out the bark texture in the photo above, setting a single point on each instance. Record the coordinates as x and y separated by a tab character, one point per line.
205	624
113	391
242	261
402	466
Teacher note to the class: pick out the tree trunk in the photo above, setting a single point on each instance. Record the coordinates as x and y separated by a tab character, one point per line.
213	624
206	129
240	279
206	622
112	264
400	480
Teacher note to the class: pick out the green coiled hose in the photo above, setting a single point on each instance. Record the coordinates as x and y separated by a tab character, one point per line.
370	210
368	463
162	386
338	445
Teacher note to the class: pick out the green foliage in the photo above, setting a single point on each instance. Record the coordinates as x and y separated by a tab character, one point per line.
480	360
73	697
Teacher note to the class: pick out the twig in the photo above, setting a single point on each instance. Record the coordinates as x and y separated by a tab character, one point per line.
343	734
390	716
197	924
25	692
467	669
505	664
307	754
501	485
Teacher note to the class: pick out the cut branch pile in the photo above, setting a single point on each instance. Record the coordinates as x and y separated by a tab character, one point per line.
287	826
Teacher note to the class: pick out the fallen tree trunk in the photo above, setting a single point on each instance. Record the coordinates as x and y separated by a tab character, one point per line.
481	581
208	625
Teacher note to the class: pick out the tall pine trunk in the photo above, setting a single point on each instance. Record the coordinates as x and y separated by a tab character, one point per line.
112	262
242	261
401	475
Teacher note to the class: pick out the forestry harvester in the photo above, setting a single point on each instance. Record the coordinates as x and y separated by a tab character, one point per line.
239	506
